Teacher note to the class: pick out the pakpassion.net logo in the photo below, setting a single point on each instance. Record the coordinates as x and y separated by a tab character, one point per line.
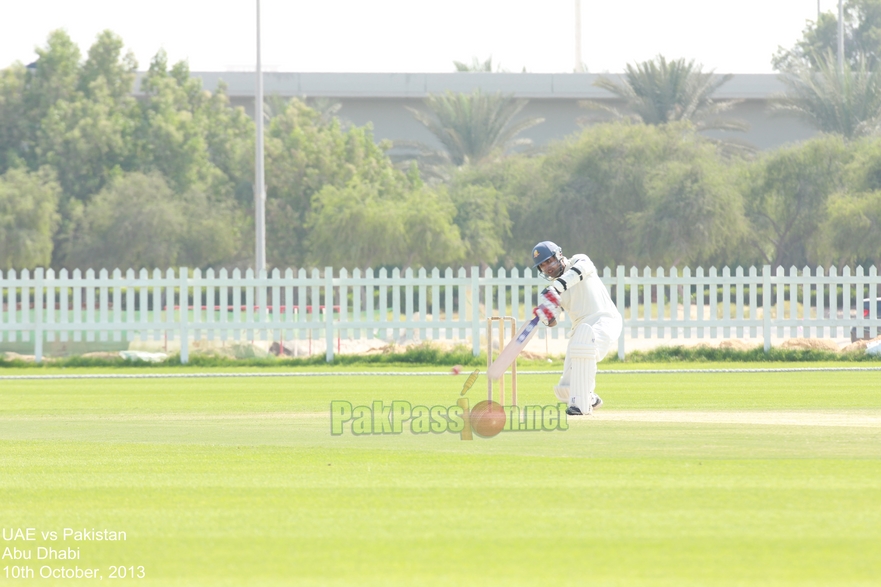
486	419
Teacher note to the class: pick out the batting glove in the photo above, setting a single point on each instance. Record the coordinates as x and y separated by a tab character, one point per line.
551	297
548	306
545	313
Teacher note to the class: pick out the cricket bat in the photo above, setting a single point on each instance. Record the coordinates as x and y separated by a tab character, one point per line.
510	352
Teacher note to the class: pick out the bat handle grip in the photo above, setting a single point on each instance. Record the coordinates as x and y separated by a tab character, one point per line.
544	312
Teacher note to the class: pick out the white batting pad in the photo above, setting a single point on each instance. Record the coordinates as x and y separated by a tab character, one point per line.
583	356
562	392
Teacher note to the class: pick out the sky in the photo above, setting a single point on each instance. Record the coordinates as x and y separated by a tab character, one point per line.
419	36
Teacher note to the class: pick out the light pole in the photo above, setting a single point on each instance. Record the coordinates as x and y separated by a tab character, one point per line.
259	179
840	36
579	65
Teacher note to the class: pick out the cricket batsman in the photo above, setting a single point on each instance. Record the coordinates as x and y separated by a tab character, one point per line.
596	323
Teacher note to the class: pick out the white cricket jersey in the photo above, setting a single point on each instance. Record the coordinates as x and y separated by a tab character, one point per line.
584	297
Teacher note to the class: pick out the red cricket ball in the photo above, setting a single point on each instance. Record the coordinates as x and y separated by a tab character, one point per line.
487	418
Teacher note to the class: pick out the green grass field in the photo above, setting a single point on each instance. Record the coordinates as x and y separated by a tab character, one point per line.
692	479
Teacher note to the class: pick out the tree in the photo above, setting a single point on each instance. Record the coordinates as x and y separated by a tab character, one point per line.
86	134
629	193
496	203
850	228
306	152
80	119
474	127
193	136
850	233
172	128
229	137
483	222
693	213
846	102
354	226
105	61
54	77
862	39
862	172
28	93
28	218
138	221
15	132
433	237
660	91
785	195
360	225
88	140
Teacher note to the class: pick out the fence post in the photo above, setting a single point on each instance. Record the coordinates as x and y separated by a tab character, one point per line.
328	312
38	313
766	306
619	301
184	304
475	311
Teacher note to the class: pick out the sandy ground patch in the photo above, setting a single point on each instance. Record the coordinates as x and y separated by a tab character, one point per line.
768	418
810	344
761	418
179	417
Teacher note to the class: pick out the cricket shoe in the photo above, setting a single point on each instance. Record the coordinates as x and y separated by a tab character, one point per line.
574	410
598	403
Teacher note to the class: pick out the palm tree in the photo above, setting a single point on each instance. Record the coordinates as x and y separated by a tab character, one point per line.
661	91
477	66
327	109
846	102
474	127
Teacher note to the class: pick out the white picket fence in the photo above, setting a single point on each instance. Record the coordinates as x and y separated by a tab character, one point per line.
185	306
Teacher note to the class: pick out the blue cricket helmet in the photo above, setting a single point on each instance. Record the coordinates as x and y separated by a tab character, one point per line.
544	251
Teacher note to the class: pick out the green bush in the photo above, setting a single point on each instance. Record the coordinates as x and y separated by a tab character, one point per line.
700	354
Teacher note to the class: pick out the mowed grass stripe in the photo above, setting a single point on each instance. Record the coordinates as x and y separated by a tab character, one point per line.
366	516
710	391
584	439
216	485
